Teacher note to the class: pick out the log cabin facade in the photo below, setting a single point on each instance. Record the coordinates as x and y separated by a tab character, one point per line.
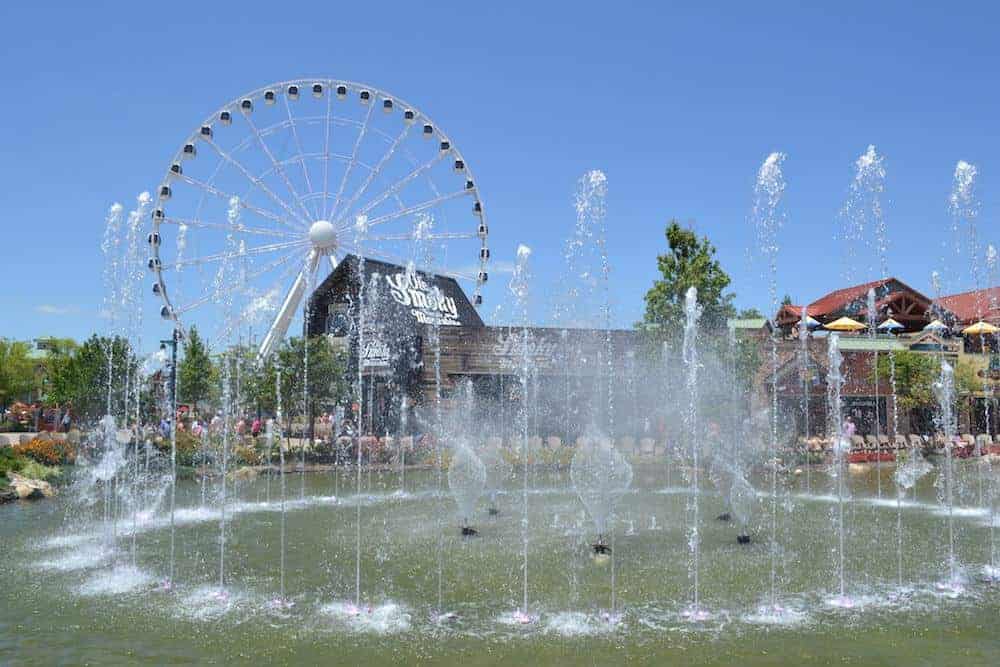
400	314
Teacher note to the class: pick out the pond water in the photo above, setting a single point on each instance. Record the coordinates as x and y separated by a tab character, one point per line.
68	599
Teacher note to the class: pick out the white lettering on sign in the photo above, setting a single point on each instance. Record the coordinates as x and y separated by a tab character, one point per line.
376	353
427	303
509	349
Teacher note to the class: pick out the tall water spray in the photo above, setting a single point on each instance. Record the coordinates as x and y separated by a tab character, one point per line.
964	208
692	313
519	287
841	446
872	315
804	371
944	392
360	233
993	572
767	219
277	426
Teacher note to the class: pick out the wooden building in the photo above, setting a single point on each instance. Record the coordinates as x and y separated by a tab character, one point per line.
402	313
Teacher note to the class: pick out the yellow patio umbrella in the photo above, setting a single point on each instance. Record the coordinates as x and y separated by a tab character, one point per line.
845	324
980	329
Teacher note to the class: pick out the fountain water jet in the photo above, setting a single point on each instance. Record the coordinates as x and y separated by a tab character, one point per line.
467	481
944	392
519	285
841	448
692	312
767	220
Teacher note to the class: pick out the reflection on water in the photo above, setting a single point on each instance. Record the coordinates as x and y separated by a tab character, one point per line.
57	567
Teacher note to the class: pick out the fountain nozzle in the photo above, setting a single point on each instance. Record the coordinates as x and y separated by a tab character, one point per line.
743	539
600	547
469	531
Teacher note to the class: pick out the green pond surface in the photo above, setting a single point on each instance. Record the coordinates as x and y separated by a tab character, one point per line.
69	599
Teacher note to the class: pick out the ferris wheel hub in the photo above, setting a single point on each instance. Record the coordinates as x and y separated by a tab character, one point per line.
323	235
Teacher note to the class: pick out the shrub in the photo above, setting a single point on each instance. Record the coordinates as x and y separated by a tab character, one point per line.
47	451
246	454
188	447
35	470
9	461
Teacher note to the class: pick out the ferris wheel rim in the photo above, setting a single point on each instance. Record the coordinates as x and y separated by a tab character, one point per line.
330	87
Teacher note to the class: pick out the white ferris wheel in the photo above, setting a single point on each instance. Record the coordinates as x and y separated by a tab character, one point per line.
278	185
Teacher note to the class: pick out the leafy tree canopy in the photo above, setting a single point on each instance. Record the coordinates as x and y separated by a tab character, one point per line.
689	262
195	371
17	377
80	378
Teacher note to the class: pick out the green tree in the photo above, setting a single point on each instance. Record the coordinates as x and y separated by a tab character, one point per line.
751	314
17	375
80	379
195	371
329	383
915	376
689	262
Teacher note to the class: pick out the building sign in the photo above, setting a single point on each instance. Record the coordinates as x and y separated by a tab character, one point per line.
509	348
427	303
376	354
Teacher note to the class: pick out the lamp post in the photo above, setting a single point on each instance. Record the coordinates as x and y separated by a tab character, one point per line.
172	344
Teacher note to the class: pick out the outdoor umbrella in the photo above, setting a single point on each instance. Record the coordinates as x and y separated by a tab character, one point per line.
979	329
890	325
845	324
936	325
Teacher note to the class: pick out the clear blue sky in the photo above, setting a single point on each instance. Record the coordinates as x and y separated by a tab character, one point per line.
677	104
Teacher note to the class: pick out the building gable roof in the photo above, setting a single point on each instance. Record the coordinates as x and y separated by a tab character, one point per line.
908	305
404	299
974	305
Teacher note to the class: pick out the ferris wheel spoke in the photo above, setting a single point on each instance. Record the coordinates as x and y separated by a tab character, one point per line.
227	196
353	160
256	181
413	236
416	208
278	168
218	257
248	312
403	261
394	189
298	145
225	226
279	327
374	173
326	153
211	295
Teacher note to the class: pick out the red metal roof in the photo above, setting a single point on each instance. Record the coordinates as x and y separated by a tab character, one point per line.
833	305
836	300
974	305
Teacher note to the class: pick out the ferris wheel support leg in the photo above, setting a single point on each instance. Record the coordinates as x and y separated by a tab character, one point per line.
284	317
